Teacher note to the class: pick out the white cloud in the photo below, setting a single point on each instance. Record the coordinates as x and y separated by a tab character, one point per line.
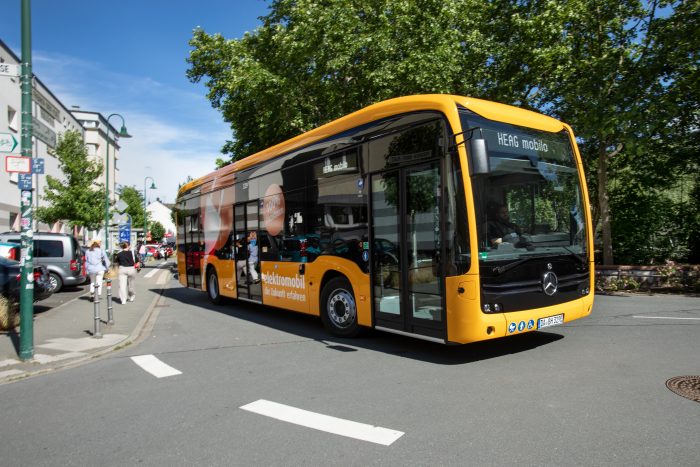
175	132
167	152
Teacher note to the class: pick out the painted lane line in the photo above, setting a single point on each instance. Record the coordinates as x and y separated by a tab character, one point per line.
662	317
154	366
151	273
338	426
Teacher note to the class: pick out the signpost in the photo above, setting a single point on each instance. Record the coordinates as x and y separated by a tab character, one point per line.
8	143
125	232
8	69
18	164
25	182
26	292
38	166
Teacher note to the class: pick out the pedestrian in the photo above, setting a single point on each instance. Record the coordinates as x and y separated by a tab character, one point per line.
128	266
142	250
97	264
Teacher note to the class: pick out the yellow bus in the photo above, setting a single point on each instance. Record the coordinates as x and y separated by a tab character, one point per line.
446	218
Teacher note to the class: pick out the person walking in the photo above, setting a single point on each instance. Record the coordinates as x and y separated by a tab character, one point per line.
142	250
127	261
97	264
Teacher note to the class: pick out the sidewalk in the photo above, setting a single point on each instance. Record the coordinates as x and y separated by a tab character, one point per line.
63	336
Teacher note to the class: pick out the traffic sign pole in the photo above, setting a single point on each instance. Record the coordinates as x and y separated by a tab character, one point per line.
26	294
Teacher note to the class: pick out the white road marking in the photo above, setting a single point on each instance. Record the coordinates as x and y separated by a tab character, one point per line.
662	317
5	374
338	426
154	366
151	274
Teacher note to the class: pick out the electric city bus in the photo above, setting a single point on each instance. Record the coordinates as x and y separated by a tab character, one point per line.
446	218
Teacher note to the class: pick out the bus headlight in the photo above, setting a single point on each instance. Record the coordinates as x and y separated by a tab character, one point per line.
492	307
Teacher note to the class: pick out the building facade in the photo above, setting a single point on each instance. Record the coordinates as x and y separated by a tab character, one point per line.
50	119
159	212
101	140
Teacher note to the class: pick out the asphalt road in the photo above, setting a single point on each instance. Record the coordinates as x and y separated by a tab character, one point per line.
65	295
588	393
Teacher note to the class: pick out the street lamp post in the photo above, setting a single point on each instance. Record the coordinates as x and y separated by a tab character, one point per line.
123	134
145	204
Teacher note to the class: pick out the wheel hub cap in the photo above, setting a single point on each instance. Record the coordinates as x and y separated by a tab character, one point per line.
342	308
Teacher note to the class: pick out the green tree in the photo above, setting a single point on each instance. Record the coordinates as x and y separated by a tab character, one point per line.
308	64
624	74
622	86
134	201
77	199
157	231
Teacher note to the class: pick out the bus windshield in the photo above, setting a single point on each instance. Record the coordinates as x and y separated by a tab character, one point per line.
530	203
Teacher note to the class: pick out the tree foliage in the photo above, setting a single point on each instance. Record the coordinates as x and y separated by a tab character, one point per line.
623	73
77	198
157	231
134	200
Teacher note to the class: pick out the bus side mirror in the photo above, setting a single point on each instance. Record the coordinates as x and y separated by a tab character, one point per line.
478	157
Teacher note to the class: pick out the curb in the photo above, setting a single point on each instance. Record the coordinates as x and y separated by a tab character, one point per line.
136	336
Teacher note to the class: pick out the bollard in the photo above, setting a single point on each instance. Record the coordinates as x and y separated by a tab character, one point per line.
110	316
96	309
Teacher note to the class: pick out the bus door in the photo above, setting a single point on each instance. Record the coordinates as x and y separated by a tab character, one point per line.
247	251
193	251
406	244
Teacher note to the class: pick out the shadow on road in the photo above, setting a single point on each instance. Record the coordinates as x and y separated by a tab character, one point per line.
310	327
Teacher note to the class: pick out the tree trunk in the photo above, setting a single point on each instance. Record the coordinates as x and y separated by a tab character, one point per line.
603	206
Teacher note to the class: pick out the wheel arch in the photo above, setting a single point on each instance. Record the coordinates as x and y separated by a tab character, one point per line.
358	281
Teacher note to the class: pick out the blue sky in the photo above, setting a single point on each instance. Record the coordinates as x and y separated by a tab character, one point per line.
128	57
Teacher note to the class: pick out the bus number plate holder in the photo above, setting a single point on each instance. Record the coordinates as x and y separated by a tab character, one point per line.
555	320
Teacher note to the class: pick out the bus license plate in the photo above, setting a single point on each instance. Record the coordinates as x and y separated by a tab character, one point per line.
550	321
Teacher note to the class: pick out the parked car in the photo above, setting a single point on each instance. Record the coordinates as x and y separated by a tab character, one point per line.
42	282
153	250
10	250
59	253
166	251
9	279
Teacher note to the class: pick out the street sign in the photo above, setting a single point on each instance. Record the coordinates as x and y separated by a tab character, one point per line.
124	232
121	205
9	69
18	164
38	165
25	182
8	143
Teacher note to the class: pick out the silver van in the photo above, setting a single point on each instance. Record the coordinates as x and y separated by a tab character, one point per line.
60	253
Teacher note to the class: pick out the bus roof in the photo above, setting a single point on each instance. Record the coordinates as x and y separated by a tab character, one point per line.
445	103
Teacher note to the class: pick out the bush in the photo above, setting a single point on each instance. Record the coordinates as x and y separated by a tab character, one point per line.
9	317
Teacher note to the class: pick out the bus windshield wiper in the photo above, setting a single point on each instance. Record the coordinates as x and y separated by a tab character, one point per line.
507	267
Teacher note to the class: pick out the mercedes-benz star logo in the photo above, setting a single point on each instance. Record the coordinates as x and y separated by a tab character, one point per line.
550	283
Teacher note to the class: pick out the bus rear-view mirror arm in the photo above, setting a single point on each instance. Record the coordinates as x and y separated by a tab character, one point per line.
476	151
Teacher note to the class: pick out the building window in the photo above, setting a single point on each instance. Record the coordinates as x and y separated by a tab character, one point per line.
12	119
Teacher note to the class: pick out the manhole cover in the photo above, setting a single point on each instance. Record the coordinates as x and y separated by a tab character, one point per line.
685	386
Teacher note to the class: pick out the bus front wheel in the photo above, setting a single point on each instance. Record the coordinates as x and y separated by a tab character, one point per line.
213	287
338	308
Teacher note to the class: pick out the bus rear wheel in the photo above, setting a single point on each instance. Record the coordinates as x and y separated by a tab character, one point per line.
338	308
213	287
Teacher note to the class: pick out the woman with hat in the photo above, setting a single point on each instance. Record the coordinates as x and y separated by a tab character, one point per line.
97	264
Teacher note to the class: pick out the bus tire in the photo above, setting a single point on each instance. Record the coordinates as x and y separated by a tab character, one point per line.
213	291
338	308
